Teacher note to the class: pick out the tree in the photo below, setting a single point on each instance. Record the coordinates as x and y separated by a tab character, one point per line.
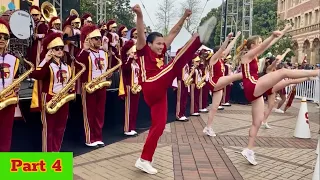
192	22
165	14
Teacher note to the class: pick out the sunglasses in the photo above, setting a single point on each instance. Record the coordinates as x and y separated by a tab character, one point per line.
58	48
97	38
4	37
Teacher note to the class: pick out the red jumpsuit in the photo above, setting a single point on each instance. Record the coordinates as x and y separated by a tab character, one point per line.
182	93
195	92
217	71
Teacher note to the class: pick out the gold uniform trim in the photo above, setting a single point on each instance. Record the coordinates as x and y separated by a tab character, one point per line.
76	20
4	29
34	12
95	33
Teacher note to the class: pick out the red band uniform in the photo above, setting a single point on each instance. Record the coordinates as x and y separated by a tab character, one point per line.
130	75
227	89
53	76
54	25
194	91
114	43
8	71
204	94
86	19
93	104
122	32
156	78
216	71
182	94
41	30
71	28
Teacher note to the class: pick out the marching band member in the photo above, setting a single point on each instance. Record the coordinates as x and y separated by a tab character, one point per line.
86	19
134	34
182	93
114	44
54	75
130	75
204	93
41	30
105	41
55	25
217	79
71	27
122	32
8	71
227	89
157	77
194	91
93	104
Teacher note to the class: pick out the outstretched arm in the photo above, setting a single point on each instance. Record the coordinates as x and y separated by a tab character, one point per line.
281	57
141	41
176	29
231	44
218	54
285	30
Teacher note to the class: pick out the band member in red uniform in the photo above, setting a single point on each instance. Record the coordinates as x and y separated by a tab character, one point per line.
194	91
255	87
182	93
114	42
71	27
54	75
132	88
86	19
156	77
122	32
134	34
93	104
227	89
204	93
218	81
55	25
9	65
41	30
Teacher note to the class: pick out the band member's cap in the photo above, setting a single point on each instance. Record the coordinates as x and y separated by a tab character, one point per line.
54	20
122	29
229	57
71	19
86	17
133	31
34	10
128	48
210	55
52	40
89	31
111	24
196	58
4	27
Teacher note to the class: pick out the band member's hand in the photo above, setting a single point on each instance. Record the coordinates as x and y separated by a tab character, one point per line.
49	55
288	50
137	9
86	45
187	13
288	26
276	33
230	35
238	33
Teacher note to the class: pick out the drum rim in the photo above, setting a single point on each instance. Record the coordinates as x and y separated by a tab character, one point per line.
10	24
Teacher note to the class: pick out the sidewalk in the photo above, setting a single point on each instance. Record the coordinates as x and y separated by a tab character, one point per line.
185	153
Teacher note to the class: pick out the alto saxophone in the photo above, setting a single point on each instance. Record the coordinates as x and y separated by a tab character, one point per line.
189	79
136	88
61	98
4	102
202	82
100	82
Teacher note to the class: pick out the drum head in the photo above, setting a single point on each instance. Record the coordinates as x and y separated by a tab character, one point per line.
21	24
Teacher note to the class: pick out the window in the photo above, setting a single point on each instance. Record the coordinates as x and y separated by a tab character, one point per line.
296	22
306	19
299	21
310	18
317	19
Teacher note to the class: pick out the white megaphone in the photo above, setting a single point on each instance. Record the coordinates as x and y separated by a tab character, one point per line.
302	129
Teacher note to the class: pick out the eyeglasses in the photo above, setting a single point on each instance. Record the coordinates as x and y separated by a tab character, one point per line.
97	38
4	37
58	48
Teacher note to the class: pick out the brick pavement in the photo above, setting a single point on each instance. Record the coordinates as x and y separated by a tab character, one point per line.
185	153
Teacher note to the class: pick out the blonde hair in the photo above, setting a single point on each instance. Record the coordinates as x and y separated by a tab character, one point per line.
245	47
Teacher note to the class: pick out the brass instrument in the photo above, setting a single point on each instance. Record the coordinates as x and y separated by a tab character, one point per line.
136	88
202	82
48	11
61	98
100	82
189	79
4	102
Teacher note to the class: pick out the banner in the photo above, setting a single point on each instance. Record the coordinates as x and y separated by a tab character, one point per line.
36	166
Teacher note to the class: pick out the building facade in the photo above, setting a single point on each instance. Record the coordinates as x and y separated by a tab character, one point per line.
305	17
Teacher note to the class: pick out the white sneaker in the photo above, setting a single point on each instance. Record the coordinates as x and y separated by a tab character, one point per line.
209	132
94	144
131	133
183	118
135	132
195	114
145	166
205	110
206	29
220	108
265	126
278	111
226	104
249	155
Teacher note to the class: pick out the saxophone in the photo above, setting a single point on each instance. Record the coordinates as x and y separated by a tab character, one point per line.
202	82
4	102
61	98
100	82
136	88
189	79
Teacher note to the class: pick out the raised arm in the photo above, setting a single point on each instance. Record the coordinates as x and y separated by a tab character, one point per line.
141	41
218	54
257	51
283	32
231	44
176	28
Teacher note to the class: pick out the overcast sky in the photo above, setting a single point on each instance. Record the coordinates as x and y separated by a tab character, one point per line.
152	6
